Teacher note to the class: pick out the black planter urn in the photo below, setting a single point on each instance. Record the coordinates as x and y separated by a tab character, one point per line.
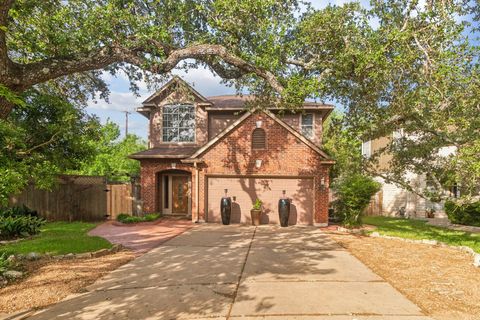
226	209
284	211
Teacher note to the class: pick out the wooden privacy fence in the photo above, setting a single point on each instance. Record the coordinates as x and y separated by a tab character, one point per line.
81	198
375	208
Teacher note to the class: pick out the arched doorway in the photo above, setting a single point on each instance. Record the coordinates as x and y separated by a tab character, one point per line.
174	196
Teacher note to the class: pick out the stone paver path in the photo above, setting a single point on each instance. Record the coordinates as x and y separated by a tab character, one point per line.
235	272
141	237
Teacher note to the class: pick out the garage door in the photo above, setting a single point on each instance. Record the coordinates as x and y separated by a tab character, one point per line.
244	191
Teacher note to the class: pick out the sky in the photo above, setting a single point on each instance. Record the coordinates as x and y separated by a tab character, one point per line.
121	99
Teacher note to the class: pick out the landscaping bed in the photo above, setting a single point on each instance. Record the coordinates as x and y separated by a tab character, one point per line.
50	281
62	259
125	219
419	230
440	280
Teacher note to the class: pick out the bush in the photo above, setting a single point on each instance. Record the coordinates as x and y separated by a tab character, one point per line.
125	218
353	196
19	226
463	213
5	264
18	211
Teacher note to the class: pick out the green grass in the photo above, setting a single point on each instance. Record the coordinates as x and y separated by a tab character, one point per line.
59	238
418	229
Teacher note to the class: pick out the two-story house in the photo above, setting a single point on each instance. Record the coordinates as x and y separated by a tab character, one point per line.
392	199
201	149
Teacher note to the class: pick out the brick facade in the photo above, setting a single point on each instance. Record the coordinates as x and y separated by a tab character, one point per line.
285	155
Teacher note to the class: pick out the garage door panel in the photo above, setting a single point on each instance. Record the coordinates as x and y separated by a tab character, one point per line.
244	191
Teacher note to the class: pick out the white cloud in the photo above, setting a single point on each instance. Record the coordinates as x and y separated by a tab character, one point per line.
119	101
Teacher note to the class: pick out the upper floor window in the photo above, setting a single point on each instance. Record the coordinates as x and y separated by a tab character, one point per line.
367	149
178	123
307	125
258	139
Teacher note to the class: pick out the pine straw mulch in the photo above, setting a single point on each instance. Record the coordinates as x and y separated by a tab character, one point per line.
441	281
48	282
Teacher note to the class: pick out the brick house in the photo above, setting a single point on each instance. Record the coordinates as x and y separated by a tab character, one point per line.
201	148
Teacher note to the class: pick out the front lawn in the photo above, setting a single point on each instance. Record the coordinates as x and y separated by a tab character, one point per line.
418	229
59	238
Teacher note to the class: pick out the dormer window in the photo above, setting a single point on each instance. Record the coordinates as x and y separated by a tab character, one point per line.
178	123
307	125
258	139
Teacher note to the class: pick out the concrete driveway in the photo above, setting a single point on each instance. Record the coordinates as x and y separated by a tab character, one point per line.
234	272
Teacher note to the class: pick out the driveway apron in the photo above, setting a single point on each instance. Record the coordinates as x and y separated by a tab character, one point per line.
239	272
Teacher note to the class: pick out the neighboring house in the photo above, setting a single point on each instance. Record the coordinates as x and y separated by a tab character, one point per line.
391	200
203	148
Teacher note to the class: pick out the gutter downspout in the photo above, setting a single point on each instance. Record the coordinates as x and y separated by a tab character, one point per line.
197	189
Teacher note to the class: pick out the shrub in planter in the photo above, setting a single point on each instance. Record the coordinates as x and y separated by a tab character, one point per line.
463	213
22	226
353	196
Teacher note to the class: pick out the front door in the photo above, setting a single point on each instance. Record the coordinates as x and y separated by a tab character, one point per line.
180	194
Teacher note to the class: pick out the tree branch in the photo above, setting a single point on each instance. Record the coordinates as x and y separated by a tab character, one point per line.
48	69
52	138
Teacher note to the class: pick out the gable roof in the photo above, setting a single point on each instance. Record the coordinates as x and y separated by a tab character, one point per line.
235	124
175	80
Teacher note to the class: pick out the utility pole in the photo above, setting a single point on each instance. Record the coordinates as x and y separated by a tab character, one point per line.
126	122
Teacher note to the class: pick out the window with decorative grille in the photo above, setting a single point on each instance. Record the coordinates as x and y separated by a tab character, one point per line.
258	139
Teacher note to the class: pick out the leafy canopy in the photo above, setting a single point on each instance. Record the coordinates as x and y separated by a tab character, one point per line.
110	155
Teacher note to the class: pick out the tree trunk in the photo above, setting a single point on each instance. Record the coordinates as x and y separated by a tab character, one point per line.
5	108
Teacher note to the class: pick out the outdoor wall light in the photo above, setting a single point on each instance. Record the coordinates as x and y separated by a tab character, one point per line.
226	192
322	182
173	165
258	123
258	163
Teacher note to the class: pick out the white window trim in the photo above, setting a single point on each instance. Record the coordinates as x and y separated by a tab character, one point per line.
367	149
313	125
194	141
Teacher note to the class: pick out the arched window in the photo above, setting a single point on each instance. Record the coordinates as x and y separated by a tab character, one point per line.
258	139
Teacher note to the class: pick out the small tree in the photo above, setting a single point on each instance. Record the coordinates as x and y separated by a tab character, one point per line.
354	193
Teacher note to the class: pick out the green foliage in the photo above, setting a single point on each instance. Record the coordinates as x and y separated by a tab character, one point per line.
126	218
418	229
257	205
111	155
463	213
353	196
59	238
342	145
18	211
20	226
45	137
5	264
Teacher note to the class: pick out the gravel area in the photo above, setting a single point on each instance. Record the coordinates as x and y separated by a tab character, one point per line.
441	281
49	282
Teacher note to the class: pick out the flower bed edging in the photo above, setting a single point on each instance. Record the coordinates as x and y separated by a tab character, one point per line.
13	275
476	256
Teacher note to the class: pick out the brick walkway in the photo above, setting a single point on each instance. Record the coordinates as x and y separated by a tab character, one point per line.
142	237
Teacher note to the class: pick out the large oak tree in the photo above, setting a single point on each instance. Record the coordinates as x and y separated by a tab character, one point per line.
44	40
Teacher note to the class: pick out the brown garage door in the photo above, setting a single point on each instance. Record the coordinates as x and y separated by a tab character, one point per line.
244	191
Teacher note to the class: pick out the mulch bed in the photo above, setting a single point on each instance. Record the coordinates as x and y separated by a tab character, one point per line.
441	281
50	281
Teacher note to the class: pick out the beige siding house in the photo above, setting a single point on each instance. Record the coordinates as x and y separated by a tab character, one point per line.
392	199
